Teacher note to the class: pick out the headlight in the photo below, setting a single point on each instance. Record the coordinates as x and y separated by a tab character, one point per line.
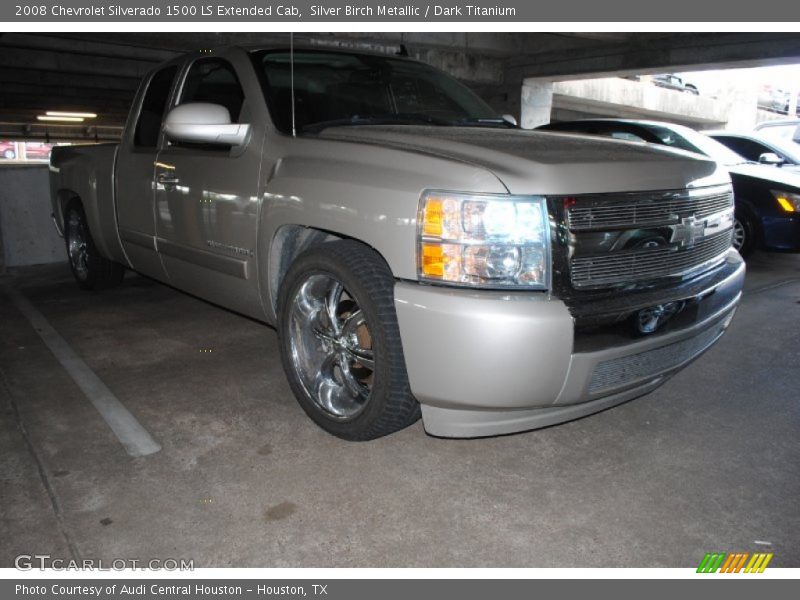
788	201
482	240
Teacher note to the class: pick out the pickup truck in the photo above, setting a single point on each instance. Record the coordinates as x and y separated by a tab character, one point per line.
418	254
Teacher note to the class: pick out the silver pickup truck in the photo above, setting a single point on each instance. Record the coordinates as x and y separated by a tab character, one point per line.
417	253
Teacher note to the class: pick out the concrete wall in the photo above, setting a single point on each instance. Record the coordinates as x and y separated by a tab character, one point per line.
621	98
27	234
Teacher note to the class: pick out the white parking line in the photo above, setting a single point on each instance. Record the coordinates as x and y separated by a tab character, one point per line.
135	438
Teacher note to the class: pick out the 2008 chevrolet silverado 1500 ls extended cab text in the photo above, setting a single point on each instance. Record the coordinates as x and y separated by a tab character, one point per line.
417	253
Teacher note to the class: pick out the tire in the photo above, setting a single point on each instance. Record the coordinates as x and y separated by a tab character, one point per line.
335	309
9	154
91	271
745	234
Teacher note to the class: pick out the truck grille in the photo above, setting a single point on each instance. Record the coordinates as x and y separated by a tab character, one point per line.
676	234
650	263
639	210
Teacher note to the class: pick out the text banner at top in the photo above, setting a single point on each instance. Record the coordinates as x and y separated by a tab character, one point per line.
325	11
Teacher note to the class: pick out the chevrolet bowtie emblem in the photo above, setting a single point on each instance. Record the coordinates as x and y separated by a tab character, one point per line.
688	231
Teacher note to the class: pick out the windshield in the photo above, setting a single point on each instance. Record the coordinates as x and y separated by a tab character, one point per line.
684	138
783	132
333	88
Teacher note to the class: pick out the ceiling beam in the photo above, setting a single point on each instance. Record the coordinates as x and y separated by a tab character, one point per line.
55	79
63	62
648	54
81	47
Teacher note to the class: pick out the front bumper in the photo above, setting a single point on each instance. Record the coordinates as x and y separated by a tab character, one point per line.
490	363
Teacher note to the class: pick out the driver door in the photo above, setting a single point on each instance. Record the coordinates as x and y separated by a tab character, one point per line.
207	197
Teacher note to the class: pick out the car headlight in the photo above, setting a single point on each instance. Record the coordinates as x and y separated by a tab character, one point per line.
484	240
788	202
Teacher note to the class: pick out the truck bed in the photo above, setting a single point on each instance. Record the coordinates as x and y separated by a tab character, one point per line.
87	172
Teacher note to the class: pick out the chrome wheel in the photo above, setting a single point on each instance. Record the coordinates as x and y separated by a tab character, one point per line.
77	245
739	234
331	347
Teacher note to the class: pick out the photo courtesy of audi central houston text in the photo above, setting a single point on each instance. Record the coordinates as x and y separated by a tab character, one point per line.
400	300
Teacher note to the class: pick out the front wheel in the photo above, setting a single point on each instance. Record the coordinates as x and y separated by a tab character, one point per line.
340	342
744	235
90	270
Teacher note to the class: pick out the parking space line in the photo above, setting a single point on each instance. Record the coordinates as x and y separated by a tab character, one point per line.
132	435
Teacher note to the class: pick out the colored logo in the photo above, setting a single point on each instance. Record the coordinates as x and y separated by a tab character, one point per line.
734	562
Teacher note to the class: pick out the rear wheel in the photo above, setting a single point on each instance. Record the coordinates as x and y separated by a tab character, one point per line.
90	270
340	342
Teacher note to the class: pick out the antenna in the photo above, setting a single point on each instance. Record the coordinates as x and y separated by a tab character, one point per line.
291	66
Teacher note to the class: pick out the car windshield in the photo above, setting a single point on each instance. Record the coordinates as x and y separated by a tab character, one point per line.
786	132
335	89
684	138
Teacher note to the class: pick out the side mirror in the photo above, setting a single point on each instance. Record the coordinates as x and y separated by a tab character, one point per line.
204	123
509	119
770	158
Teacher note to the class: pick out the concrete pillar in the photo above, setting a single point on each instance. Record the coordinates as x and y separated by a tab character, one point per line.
742	115
536	103
26	230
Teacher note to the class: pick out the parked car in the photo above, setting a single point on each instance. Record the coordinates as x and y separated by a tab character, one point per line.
8	150
773	99
756	148
767	199
416	252
37	150
674	82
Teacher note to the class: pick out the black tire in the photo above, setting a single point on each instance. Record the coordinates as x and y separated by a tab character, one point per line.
369	285
745	234
91	271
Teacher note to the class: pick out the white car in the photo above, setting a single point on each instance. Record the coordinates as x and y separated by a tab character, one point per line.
758	148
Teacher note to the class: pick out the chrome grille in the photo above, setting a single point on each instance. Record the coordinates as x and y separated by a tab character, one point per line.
627	211
649	263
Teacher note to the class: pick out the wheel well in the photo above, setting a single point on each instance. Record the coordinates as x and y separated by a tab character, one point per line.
65	198
745	210
289	242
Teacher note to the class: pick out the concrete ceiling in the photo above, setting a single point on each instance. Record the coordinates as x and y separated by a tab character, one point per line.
99	72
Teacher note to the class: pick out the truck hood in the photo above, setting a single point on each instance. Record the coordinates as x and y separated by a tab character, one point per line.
536	162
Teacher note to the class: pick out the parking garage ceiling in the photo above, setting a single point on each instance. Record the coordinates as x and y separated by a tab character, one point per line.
100	72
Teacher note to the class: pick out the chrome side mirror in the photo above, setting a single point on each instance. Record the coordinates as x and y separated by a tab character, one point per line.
770	158
204	123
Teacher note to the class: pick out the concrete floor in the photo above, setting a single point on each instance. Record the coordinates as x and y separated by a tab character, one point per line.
711	461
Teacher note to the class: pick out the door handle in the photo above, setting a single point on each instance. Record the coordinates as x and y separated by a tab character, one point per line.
166	179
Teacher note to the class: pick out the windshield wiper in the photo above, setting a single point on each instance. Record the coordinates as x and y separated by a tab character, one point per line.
387	119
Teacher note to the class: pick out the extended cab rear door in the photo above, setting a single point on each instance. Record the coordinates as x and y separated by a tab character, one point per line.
135	172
